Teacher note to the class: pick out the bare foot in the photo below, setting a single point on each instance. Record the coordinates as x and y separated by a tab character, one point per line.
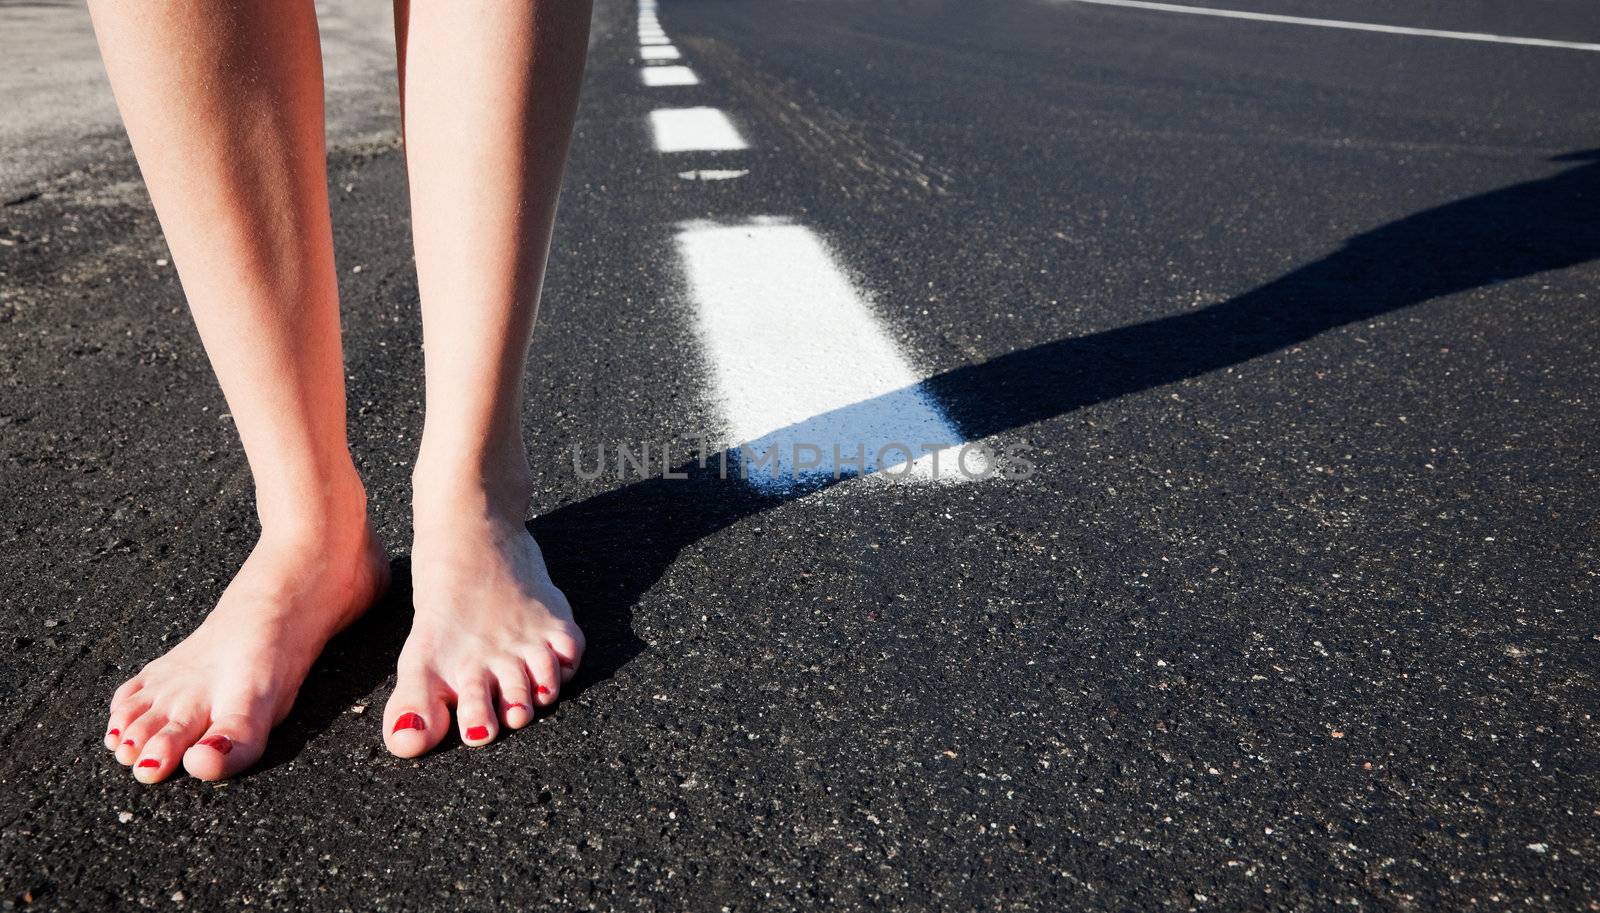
493	637
211	701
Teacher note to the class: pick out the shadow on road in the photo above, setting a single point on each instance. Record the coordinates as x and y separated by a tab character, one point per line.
1501	235
608	550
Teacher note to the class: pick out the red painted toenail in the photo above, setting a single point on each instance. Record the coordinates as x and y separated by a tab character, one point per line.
511	707
410	721
220	744
149	762
128	742
477	732
114	733
543	690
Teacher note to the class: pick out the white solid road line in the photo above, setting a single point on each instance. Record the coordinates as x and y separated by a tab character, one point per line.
808	381
648	40
669	76
1341	24
694	130
658	52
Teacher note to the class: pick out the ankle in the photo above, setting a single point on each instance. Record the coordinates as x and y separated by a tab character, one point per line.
450	492
326	509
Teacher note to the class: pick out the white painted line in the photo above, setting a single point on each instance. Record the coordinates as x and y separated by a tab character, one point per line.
649	39
669	76
802	367
659	52
714	174
694	130
1342	24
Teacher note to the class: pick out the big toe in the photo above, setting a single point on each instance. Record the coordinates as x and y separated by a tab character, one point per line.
230	745
416	717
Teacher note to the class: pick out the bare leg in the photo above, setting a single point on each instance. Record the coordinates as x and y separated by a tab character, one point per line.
489	92
223	103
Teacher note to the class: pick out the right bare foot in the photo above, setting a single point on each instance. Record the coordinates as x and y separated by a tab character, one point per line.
211	701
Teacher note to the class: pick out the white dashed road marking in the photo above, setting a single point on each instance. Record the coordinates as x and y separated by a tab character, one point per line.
809	382
669	76
1342	24
647	39
694	130
714	174
811	386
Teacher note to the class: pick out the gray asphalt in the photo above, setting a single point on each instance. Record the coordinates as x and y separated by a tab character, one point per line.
1297	612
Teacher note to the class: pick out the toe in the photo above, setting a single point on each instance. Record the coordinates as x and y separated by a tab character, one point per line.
544	668
160	754
568	650
232	744
416	716
137	733
516	697
475	713
124	714
126	690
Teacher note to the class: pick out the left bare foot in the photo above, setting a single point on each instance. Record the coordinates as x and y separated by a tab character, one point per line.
493	637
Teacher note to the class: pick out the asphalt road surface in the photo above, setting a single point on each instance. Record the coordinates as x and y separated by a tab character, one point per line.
1296	611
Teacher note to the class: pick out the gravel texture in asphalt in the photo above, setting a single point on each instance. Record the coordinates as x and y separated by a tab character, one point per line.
1298	609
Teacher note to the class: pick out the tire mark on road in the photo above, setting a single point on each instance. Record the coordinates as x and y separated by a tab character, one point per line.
864	163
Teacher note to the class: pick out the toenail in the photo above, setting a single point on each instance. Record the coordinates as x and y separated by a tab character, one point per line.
221	744
409	721
477	732
114	733
149	762
511	707
128	742
543	690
